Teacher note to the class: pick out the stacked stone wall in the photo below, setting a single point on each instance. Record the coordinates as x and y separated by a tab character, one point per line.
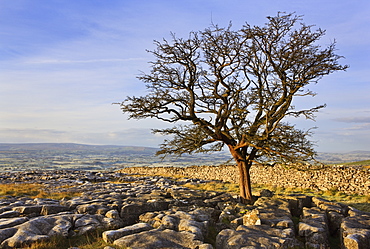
346	179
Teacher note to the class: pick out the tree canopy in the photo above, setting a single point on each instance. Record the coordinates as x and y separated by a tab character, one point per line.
235	88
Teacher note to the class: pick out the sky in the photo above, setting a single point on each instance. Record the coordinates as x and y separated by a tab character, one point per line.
63	64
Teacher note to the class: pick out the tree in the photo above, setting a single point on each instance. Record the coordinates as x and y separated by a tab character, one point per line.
235	89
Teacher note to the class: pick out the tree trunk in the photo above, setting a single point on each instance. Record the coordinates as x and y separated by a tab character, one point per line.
244	176
245	182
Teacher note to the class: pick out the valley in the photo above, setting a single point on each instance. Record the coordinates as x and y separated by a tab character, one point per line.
54	156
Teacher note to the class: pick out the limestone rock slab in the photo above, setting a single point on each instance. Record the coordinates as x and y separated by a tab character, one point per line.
112	235
159	239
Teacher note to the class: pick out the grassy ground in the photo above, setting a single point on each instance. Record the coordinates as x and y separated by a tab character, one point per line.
87	241
365	163
34	191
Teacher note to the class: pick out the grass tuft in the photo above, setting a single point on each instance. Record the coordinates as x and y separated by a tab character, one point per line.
33	191
90	240
214	186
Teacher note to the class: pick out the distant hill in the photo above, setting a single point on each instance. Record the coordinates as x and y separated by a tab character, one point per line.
62	147
335	158
352	156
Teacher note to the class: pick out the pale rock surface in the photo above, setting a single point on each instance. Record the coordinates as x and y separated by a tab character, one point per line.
181	218
112	235
355	230
159	239
257	236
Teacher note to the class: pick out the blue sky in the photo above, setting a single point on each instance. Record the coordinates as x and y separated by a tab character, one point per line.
63	64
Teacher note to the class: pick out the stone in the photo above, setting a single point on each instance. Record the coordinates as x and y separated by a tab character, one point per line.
204	213
356	241
32	231
84	223
274	212
168	222
5	223
261	236
112	223
130	212
7	233
314	228
90	209
354	212
114	214
307	230
9	214
159	239
45	201
112	235
53	209
205	246
28	209
266	193
238	221
44	227
186	194
199	229
355	231
252	218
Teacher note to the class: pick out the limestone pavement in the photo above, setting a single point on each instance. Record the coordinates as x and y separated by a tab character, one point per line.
157	212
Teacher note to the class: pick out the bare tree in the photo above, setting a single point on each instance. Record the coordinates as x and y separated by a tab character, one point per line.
234	89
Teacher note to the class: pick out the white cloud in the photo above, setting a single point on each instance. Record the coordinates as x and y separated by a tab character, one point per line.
56	61
131	136
353	119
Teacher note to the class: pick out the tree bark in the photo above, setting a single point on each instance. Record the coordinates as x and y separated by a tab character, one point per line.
245	182
244	166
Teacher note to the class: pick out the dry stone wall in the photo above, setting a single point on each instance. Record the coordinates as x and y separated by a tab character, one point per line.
346	179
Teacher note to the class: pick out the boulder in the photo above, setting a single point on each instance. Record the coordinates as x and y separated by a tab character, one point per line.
112	235
5	223
92	209
261	236
355	231
314	228
196	223
84	223
205	214
9	214
272	212
114	214
37	229
53	209
266	193
130	212
27	210
158	239
199	229
6	233
329	205
166	222
252	218
42	228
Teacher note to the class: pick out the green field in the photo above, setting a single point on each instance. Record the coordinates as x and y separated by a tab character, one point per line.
364	163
